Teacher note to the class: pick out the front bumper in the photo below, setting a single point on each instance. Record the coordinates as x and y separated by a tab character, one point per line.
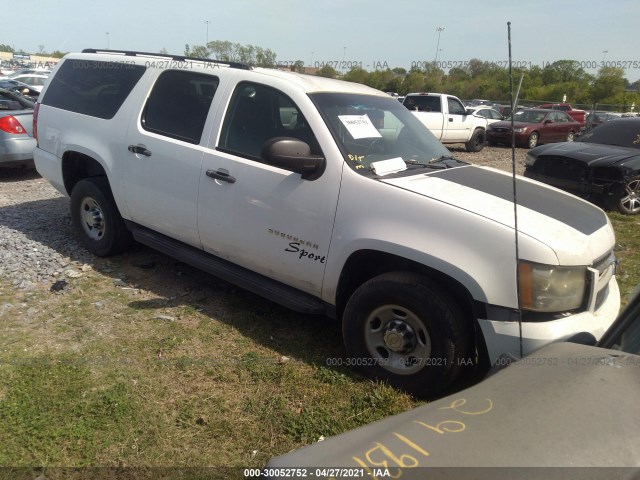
582	189
505	137
504	336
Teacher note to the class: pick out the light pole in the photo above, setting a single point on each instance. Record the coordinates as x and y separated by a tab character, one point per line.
107	40
439	30
604	54
207	22
311	60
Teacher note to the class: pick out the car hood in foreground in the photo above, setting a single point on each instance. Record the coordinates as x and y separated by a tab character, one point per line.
593	154
566	405
555	218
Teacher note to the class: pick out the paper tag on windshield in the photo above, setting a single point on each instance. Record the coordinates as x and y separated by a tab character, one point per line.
385	167
359	126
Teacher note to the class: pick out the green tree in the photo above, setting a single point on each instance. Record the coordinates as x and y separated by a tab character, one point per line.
357	75
6	48
609	86
327	71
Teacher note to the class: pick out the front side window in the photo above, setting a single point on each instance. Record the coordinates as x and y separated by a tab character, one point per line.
258	113
455	107
179	104
370	128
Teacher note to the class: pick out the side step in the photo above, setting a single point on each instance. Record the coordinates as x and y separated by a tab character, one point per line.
277	292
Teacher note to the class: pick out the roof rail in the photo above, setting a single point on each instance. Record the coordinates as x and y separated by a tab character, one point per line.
177	58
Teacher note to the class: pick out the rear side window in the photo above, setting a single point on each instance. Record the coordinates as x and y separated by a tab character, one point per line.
94	88
179	104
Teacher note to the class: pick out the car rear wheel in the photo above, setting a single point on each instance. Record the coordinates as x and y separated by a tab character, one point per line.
532	142
401	328
629	203
96	218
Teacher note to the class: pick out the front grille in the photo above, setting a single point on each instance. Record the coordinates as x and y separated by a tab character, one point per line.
561	167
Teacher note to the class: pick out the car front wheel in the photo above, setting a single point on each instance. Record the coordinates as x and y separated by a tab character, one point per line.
532	142
571	137
96	218
629	203
401	328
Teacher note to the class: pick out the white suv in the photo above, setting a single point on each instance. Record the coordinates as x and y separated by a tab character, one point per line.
329	198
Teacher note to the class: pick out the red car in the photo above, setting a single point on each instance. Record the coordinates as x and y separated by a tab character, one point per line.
533	127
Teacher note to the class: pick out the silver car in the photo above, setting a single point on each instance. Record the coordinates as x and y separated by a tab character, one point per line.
16	136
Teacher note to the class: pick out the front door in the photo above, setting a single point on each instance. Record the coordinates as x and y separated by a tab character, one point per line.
255	214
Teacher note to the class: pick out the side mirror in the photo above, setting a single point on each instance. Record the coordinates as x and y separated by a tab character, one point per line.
546	122
293	155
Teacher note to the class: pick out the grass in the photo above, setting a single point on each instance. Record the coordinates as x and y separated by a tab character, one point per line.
180	370
170	373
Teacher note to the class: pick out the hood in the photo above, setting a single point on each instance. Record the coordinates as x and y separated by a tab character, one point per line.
579	412
593	154
553	217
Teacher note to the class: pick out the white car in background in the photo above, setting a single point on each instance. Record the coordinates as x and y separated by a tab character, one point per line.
488	113
34	80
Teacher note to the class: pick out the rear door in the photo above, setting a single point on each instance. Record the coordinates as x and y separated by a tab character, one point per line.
164	153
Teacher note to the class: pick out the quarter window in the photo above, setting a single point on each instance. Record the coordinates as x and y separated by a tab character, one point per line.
91	87
179	104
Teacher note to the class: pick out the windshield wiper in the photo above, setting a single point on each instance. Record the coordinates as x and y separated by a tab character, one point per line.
437	163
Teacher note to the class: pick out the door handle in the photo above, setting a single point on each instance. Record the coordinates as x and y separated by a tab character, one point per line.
139	149
450	119
221	175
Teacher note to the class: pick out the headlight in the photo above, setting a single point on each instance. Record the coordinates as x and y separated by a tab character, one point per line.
529	159
550	288
519	130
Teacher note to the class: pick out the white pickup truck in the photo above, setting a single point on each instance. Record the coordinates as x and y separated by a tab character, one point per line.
448	120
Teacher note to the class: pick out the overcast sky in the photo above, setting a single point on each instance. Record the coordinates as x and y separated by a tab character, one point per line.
371	32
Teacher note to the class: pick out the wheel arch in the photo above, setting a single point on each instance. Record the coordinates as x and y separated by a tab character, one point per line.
77	166
363	265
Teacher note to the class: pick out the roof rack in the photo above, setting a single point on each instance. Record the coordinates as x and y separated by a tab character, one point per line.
177	58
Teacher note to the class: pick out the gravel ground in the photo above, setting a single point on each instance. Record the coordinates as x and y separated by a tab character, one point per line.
37	242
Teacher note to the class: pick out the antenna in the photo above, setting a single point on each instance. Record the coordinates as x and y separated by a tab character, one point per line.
515	192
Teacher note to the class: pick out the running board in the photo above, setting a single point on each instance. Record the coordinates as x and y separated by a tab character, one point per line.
277	292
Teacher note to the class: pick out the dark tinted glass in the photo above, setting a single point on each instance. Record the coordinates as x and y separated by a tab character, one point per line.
179	104
624	133
258	113
90	87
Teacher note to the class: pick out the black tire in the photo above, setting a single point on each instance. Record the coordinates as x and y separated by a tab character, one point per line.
629	202
401	328
476	142
96	218
533	140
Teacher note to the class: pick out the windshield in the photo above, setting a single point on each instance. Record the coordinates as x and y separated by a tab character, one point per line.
624	133
529	116
368	129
